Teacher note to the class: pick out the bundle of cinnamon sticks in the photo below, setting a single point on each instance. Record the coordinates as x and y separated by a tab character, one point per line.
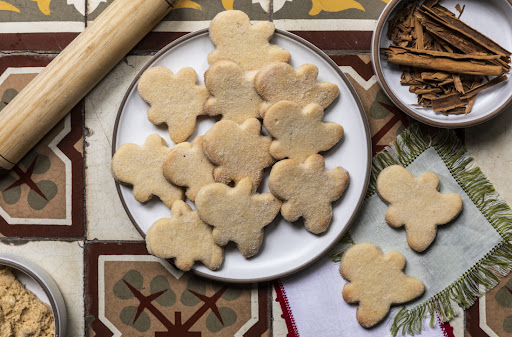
446	63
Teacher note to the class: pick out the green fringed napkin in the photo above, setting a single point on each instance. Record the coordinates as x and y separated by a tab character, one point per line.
468	255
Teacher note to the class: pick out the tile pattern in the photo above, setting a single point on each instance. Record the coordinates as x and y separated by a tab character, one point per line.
492	314
131	292
42	196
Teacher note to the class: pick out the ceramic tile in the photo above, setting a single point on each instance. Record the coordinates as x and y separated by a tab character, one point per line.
64	262
489	143
42	196
106	217
42	25
491	315
330	25
122	279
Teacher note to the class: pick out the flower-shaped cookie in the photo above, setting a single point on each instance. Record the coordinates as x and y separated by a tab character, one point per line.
174	99
185	238
376	281
232	92
280	82
248	45
308	190
237	214
299	133
416	204
238	150
142	167
187	166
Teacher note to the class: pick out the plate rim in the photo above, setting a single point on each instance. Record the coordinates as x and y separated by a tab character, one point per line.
377	69
366	129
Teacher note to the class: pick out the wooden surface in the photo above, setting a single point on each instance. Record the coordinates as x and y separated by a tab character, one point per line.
67	79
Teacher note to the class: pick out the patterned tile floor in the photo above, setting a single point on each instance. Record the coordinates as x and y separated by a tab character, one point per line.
59	206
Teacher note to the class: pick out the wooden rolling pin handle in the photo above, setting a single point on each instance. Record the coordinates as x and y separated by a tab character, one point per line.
73	73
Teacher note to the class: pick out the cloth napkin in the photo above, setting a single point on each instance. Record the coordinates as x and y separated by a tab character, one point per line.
465	260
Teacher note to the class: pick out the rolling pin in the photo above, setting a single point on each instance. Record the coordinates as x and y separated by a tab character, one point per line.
73	73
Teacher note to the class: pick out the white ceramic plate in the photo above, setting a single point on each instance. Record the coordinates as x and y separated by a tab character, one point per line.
286	247
490	17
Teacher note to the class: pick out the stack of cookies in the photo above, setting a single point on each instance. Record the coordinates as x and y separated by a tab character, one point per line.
249	83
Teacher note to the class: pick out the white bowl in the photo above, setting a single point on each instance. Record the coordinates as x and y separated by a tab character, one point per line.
493	18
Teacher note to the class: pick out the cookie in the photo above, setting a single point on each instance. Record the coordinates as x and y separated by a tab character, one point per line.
237	214
239	151
232	92
185	238
248	45
142	167
416	204
308	190
376	281
280	82
174	99
299	133
187	166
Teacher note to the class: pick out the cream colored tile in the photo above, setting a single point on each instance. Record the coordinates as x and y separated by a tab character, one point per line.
489	143
458	323
279	328
64	262
106	218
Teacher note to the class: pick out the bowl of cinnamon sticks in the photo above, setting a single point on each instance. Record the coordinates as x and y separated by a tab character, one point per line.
445	62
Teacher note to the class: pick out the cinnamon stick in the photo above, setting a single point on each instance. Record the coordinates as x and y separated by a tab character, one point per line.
443	64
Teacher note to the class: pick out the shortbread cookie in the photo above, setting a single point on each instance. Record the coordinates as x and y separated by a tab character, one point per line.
299	133
175	100
280	82
232	92
187	166
185	238
248	45
238	150
416	204
376	281
142	167
308	190
237	214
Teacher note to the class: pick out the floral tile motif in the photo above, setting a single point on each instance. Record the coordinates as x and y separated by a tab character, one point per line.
131	293
40	25
42	196
328	9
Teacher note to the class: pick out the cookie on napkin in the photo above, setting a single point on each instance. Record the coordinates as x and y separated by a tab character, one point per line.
142	167
416	204
376	281
237	214
185	238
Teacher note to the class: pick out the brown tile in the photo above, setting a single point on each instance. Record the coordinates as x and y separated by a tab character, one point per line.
122	278
42	196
